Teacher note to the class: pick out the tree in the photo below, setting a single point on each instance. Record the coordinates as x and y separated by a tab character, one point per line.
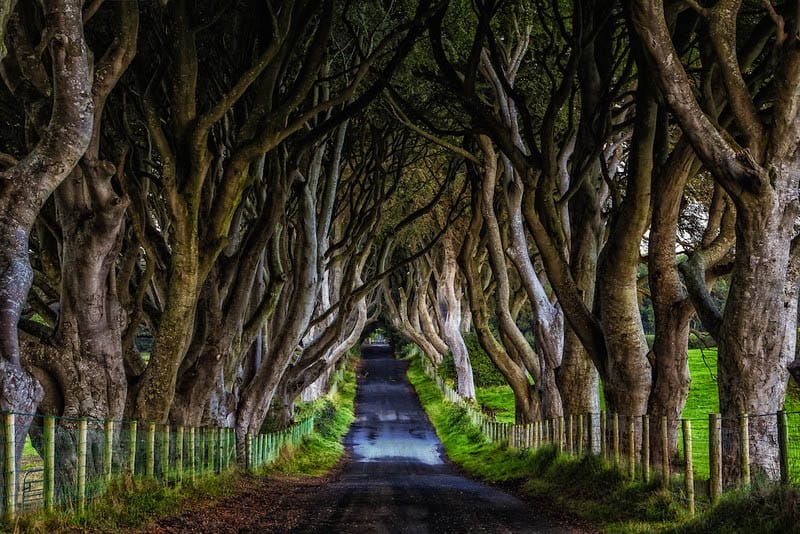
63	136
756	161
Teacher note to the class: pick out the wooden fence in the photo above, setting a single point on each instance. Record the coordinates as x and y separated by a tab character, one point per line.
76	460
625	442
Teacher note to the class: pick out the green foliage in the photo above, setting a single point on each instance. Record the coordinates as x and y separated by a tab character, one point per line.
318	453
129	504
483	369
407	351
569	483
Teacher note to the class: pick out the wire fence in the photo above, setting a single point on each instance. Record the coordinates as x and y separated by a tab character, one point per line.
65	463
703	456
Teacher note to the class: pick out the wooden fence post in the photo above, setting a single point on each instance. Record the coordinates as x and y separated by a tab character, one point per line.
783	446
664	452
49	443
603	436
715	455
744	448
192	453
561	434
223	449
580	434
165	452
687	453
248	451
151	450
646	448
108	428
9	454
615	437
570	448
132	448
82	452
203	449
211	434
590	428
179	451
631	447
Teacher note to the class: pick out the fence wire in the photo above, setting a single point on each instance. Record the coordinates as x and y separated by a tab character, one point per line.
66	463
725	452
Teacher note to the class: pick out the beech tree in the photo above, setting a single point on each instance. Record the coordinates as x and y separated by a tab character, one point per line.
59	138
755	159
262	102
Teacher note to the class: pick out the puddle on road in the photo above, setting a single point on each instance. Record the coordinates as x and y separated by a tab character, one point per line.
396	448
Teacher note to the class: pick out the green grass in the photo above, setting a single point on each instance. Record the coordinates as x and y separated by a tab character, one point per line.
128	504
318	453
570	484
497	398
767	509
703	399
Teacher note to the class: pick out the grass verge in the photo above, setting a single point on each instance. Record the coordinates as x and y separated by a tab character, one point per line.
131	503
569	484
590	489
318	453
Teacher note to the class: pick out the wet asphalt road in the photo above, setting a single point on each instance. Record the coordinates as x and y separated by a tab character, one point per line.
398	480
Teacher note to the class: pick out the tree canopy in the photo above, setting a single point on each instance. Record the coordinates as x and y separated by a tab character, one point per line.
252	183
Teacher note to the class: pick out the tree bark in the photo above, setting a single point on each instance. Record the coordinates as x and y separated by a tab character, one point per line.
671	308
25	187
449	303
761	178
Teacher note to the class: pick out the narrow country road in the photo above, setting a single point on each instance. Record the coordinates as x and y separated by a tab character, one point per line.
396	479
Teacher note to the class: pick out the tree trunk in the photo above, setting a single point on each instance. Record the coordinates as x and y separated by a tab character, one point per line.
527	407
759	172
449	302
627	374
671	309
25	187
577	376
257	396
756	330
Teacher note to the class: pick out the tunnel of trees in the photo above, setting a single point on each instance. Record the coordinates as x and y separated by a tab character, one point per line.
249	184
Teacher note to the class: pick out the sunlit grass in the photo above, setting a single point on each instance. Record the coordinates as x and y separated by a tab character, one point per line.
570	484
499	399
316	454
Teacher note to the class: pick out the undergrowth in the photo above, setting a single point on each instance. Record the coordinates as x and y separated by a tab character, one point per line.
318	453
130	503
589	488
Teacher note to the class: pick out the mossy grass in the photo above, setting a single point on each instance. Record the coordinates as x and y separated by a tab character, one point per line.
128	504
319	452
591	489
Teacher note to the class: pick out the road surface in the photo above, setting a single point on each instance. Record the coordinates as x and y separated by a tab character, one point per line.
396	479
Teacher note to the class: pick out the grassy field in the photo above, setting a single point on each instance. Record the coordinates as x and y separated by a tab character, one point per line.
703	399
571	484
